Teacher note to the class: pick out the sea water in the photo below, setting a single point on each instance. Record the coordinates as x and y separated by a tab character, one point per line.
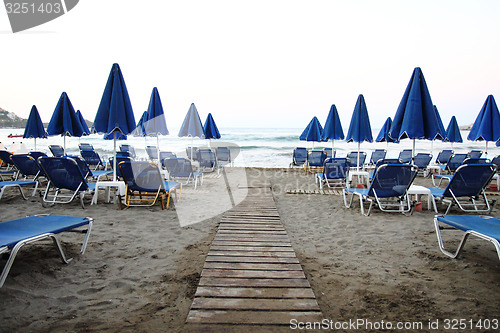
251	147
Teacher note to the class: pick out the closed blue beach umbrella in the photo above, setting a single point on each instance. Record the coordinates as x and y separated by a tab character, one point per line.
155	124
85	128
64	120
453	132
441	134
140	130
34	126
313	132
115	114
192	126
383	135
487	125
333	127
416	117
359	129
210	129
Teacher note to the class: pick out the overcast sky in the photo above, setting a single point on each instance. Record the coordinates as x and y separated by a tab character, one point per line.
257	63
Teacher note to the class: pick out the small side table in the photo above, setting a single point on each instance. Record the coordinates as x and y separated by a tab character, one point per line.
365	175
417	190
106	184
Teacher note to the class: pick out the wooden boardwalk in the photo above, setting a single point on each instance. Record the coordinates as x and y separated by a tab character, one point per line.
251	274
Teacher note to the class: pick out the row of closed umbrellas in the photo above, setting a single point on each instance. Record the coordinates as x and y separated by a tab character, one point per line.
115	117
415	118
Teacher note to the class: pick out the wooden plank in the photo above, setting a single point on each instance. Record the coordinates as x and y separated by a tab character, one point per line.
246	238
252	317
254	292
250	226
253	232
257	266
251	274
257	282
221	303
277	254
216	258
251	248
249	243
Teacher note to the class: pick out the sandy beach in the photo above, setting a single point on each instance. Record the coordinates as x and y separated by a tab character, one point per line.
142	265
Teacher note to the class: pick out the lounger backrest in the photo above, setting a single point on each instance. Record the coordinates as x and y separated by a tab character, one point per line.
496	161
477	161
206	157
56	150
166	154
469	180
178	167
316	158
444	156
336	168
387	161
84	167
152	152
455	161
85	147
124	154
353	156
129	149
36	154
377	154
91	157
223	154
192	152
330	152
392	180
64	173
27	165
141	176
5	156
475	154
422	160
405	155
299	155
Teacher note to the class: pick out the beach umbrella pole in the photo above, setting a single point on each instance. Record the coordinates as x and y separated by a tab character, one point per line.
114	156
357	163
158	148
413	151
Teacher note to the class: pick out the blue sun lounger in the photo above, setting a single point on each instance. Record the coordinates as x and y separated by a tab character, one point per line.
466	188
17	183
484	227
389	189
335	171
299	156
145	184
14	234
66	180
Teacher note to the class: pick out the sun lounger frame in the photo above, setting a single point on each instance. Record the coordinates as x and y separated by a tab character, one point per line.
468	230
53	235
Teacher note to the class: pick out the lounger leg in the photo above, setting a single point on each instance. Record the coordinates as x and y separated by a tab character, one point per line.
57	243
22	193
441	245
363	207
